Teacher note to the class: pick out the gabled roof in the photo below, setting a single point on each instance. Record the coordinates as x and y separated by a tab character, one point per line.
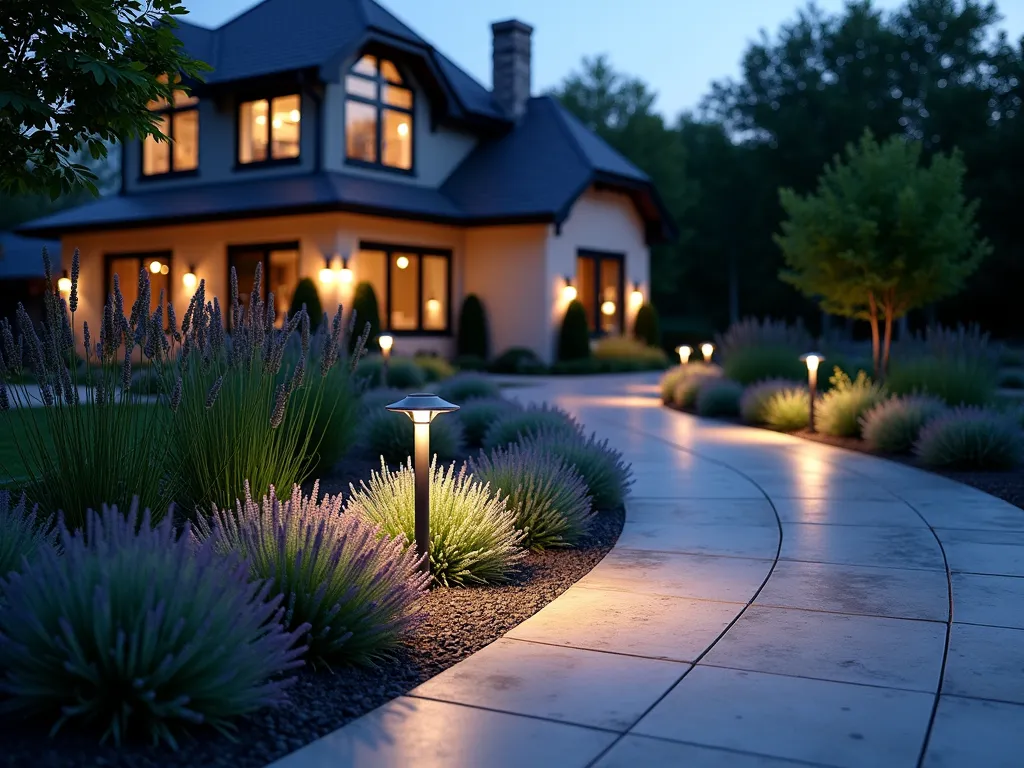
20	257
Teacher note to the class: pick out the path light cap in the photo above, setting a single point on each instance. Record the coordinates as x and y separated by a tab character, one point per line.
812	359
422	407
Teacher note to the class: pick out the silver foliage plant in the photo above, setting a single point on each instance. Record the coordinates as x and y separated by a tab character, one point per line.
133	630
893	425
970	438
547	495
22	534
516	424
607	475
473	538
352	584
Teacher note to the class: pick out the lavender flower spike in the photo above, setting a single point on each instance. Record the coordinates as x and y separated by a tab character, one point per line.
211	396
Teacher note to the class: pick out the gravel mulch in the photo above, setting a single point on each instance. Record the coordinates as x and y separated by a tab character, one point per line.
457	623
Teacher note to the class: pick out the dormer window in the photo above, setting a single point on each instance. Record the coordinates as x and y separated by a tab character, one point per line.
378	115
180	123
268	130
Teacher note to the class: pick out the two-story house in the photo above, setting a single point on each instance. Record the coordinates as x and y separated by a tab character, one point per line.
332	141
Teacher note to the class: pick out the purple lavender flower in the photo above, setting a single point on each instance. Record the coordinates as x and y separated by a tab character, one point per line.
5	403
172	322
211	396
87	339
12	351
280	400
126	370
176	395
75	267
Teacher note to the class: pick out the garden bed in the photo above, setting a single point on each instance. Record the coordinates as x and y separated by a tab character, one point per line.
457	622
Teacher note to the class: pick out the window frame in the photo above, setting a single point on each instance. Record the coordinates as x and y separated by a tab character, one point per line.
170	111
380	105
265	248
270	162
389	250
598	257
142	258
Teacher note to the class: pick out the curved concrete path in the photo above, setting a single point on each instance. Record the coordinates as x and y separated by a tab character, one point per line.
771	602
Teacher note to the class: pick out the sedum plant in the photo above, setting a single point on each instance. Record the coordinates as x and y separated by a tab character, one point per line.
22	534
970	438
134	630
719	397
85	433
473	539
516	425
893	425
468	386
755	399
352	586
841	408
547	495
392	436
478	415
788	410
607	476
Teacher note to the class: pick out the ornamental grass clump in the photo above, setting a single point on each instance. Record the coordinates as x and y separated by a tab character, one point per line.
477	416
86	434
473	538
893	425
970	439
135	631
516	425
22	534
548	496
352	586
755	399
788	410
842	407
607	476
391	436
468	386
719	397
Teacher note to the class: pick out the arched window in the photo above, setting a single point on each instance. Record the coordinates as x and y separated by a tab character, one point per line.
378	115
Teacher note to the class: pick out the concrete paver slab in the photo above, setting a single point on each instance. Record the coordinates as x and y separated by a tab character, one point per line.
883	547
969	733
848	512
994	600
636	751
985	662
727	540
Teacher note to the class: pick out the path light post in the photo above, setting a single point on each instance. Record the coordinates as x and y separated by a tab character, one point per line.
684	354
386	343
422	408
813	359
707	349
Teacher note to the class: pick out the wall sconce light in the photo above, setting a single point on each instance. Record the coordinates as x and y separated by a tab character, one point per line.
569	292
422	408
813	359
64	283
157	267
386	342
608	308
636	297
684	354
327	274
189	279
707	349
345	273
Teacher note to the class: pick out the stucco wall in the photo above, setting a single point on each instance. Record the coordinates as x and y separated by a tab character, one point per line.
603	221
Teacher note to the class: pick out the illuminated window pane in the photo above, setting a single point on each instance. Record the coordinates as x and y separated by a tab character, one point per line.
361	131
182	99
390	72
285	119
161	281
360	86
397	139
435	293
367	65
283	277
585	290
186	140
398	97
609	301
127	271
156	155
254	132
404	289
372	268
245	262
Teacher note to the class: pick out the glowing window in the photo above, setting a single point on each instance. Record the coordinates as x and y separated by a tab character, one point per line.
269	129
127	268
180	123
600	289
378	115
412	286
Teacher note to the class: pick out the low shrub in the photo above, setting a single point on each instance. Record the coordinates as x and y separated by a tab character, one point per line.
841	408
477	417
473	539
607	476
473	338
351	586
970	439
646	327
403	373
518	360
548	496
627	349
306	296
688	388
468	386
434	368
513	426
470	363
892	426
22	533
788	410
755	399
133	629
670	380
958	381
752	350
390	436
574	335
366	309
719	397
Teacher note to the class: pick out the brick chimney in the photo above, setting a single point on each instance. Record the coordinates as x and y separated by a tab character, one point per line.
510	63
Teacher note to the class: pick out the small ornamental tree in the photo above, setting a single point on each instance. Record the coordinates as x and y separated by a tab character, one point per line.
883	234
306	295
646	327
364	304
473	336
574	339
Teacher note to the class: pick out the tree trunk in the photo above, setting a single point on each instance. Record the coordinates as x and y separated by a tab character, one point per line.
734	289
875	342
889	310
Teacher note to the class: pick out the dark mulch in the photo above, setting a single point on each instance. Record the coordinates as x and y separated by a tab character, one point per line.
457	623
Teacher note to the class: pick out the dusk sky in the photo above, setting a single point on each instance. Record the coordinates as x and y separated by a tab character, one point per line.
677	46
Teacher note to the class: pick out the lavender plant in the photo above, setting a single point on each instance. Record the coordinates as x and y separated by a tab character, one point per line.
478	415
756	397
85	434
132	630
719	397
22	534
515	425
970	439
607	476
391	436
893	425
473	539
468	386
547	495
753	350
403	372
352	585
